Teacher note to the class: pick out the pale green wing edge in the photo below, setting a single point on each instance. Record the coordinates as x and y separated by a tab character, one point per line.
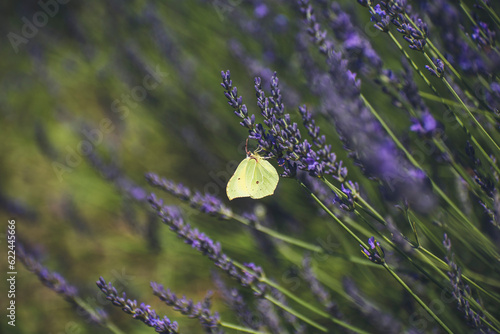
267	178
236	186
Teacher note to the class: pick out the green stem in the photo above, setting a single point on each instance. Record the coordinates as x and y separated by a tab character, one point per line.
469	113
444	266
466	10
290	240
107	323
295	313
394	247
228	214
436	188
239	328
347	229
415	264
299	301
490	11
408	258
436	51
280	304
426	308
449	102
416	68
367	208
312	308
474	186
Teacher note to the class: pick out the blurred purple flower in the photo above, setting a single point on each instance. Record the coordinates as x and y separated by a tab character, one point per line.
52	280
261	10
383	322
319	291
461	291
359	130
237	303
57	283
426	126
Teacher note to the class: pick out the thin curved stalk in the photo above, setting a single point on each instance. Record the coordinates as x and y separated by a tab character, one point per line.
239	328
418	300
107	323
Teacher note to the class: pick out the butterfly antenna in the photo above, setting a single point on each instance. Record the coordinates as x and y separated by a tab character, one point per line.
246	148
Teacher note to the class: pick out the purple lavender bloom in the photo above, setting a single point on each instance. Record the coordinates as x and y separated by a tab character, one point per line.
360	132
381	18
358	49
142	312
483	36
439	70
16	207
375	253
269	316
261	10
446	16
426	126
252	276
283	140
200	310
346	202
387	12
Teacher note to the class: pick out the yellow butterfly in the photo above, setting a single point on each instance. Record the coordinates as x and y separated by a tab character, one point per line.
255	178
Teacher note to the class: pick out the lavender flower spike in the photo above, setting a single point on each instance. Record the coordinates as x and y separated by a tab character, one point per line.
375	253
142	312
283	139
200	310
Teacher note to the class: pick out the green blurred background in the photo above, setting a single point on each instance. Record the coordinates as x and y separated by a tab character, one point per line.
76	75
65	79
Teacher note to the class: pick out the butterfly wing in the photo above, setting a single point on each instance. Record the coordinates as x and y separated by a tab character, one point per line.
236	187
262	178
